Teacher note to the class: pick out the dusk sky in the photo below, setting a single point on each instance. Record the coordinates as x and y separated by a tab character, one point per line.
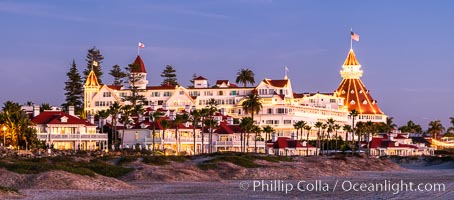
405	48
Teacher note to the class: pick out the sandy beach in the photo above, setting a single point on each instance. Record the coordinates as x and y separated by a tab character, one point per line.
231	189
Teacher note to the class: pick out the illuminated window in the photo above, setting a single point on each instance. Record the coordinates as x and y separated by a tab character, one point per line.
364	102
352	91
352	102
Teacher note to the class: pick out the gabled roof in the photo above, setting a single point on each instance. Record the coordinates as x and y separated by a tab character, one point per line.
220	82
276	83
114	87
139	62
92	80
55	117
351	59
385	143
224	128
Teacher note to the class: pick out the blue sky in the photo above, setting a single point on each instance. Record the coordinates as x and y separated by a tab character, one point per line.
405	46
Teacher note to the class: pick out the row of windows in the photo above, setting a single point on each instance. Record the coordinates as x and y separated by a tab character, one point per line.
219	101
272	91
103	103
330	100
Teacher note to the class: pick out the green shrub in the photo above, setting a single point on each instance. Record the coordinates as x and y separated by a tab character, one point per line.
126	160
106	169
207	165
155	160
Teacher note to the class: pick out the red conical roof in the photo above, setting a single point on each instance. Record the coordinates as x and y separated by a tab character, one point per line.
357	97
140	69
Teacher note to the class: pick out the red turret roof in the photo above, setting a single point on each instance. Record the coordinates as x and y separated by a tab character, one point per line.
357	97
140	69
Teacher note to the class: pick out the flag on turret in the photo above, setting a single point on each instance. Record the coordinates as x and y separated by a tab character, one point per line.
355	36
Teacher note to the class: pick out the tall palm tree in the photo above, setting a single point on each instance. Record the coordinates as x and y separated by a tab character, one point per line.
165	125
154	116
252	104
330	124
370	129
299	125
203	114
436	128
319	126
114	110
451	129
195	119
308	128
324	127
336	127
212	109
268	130
390	125
245	76
256	130
353	114
179	119
246	125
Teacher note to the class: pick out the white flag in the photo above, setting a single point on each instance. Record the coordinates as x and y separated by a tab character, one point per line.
141	45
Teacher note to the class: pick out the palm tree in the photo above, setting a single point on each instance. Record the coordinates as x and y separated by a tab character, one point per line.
203	114
330	124
126	111
308	128
246	125
370	129
336	127
319	126
451	129
353	114
195	118
268	130
252	104
435	128
154	116
45	106
257	130
212	109
245	76
165	125
390	125
114	110
299	125
324	126
179	119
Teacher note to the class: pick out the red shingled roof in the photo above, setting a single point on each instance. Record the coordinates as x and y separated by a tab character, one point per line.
114	87
200	78
354	90
285	142
276	83
139	62
224	128
54	117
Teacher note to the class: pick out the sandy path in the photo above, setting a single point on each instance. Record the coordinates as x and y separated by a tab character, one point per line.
231	189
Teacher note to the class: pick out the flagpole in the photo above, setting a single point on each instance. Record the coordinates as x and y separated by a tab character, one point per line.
138	50
351	39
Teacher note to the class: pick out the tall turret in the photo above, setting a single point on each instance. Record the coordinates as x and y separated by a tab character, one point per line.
354	92
91	88
141	72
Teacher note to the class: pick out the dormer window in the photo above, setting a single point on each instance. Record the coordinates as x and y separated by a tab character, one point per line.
352	92
343	91
364	102
360	91
64	119
352	102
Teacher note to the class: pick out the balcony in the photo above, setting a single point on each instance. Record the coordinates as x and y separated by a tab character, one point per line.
237	143
46	136
173	140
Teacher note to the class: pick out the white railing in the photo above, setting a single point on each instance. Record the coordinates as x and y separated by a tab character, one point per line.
173	140
46	136
238	143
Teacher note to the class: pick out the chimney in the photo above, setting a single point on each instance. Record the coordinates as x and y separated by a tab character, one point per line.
71	110
35	111
273	137
293	136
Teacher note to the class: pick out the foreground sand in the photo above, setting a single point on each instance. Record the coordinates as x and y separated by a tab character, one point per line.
228	181
231	189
